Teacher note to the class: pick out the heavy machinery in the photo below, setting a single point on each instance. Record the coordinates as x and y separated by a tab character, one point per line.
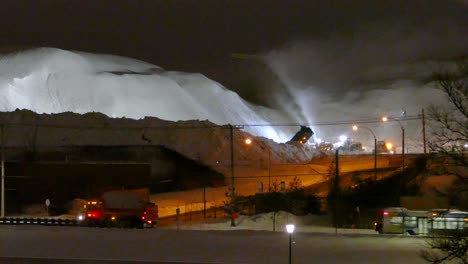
351	146
121	208
384	147
302	135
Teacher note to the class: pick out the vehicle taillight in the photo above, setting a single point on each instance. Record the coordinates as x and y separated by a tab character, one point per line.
93	214
149	221
385	213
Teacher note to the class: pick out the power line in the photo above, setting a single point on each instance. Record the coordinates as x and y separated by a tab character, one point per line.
281	175
176	126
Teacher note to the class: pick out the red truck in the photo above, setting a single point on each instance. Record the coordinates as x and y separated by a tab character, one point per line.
121	208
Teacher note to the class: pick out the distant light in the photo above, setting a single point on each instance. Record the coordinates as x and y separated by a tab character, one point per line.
80	217
290	228
248	141
385	119
466	145
343	138
319	140
389	145
355	127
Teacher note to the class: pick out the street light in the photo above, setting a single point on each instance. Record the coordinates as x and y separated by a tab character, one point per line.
290	230
385	119
336	188
355	128
249	141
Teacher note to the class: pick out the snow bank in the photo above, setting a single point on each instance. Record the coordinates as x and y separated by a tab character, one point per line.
264	222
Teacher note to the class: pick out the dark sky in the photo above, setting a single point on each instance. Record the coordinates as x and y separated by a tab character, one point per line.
200	35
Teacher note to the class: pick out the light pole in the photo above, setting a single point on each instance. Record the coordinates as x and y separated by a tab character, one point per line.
385	119
336	189
355	127
248	141
290	230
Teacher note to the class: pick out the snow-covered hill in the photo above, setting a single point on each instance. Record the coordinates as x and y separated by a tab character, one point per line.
49	80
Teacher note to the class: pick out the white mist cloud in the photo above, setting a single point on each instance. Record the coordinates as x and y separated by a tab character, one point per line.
339	79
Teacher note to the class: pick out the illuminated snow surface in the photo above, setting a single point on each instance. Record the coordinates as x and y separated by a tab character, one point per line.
48	80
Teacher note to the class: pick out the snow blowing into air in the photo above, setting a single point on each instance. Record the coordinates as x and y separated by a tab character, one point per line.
50	80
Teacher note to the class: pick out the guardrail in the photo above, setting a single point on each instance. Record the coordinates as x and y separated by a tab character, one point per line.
38	221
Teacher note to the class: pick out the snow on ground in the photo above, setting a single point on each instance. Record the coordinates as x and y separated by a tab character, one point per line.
264	222
260	222
192	246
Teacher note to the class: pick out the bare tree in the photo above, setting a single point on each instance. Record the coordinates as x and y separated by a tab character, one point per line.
449	139
450	124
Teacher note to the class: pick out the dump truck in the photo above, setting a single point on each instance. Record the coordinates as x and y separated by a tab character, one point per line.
121	208
302	136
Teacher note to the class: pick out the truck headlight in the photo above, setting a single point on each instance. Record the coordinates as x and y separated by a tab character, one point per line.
80	217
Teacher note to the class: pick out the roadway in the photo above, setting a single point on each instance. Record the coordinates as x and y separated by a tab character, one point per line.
45	244
248	178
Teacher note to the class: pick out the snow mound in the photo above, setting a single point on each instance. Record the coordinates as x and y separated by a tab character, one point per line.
49	80
264	222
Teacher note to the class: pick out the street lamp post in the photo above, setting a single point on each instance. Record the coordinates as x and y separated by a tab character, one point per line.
336	188
248	141
385	119
375	148
290	230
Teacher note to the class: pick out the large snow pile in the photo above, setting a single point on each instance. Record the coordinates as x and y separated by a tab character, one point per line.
48	80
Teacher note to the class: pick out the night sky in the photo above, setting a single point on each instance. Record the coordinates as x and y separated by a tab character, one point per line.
322	43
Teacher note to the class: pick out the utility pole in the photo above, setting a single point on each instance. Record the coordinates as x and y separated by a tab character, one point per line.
204	201
403	162
269	170
375	159
403	146
336	187
424	130
2	141
231	130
